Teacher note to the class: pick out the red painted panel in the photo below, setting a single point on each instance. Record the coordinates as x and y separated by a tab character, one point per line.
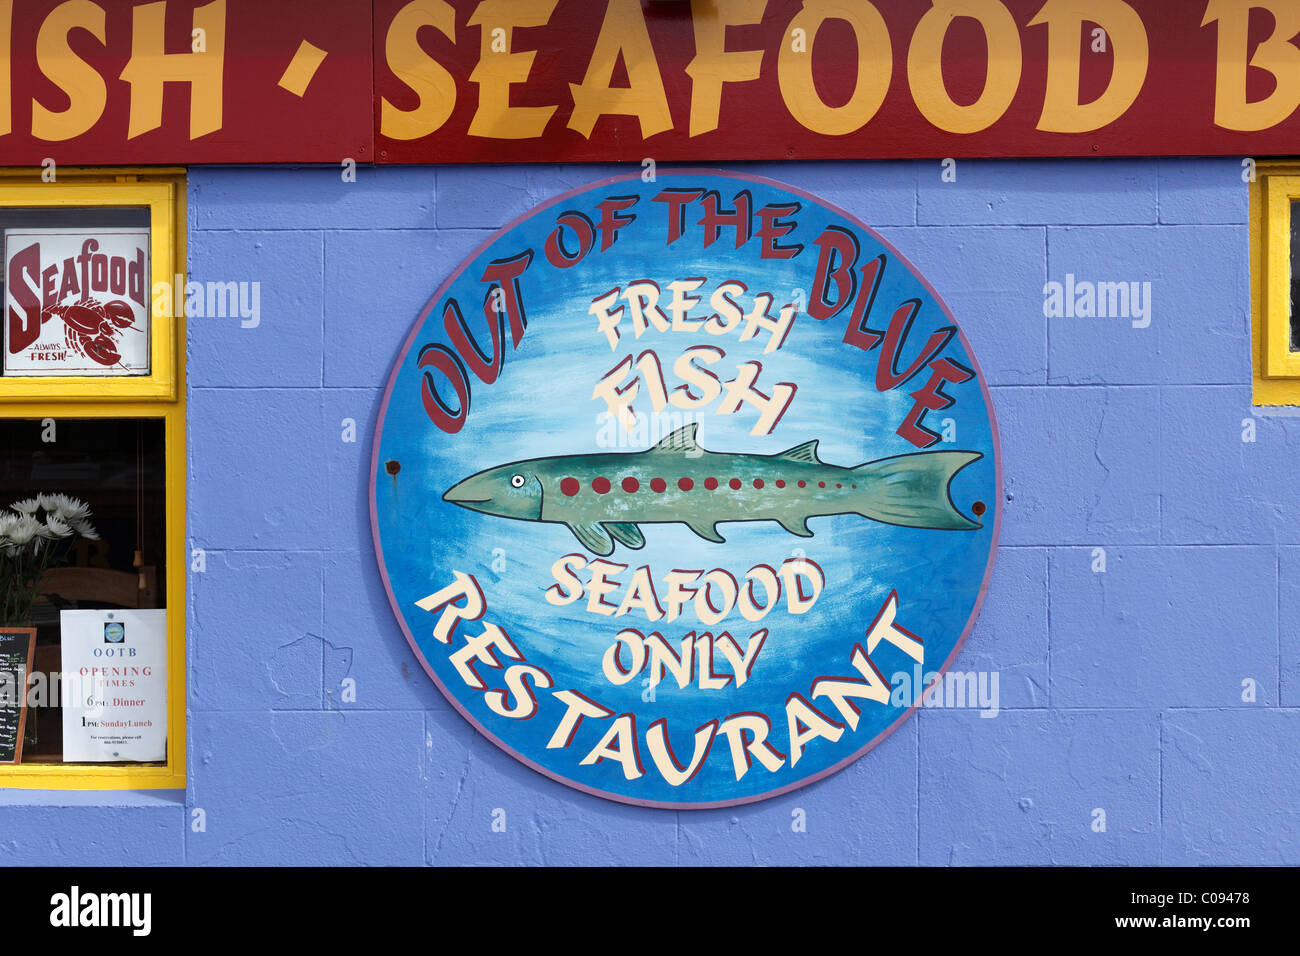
260	121
464	81
1173	114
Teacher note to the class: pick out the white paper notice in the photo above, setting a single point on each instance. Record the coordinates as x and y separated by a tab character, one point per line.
114	686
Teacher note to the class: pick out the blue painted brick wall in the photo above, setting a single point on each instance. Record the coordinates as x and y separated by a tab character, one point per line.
1120	691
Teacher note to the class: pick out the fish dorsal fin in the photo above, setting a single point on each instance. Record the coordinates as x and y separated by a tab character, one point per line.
682	440
795	525
807	452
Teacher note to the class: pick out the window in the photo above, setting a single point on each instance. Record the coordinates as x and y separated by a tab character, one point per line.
92	410
1295	277
1275	283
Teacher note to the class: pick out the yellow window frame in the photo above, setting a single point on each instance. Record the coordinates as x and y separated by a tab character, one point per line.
159	395
1276	368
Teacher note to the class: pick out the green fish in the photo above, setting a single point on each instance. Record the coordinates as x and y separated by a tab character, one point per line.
605	498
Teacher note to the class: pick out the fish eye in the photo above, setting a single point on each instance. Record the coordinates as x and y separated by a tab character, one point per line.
517	481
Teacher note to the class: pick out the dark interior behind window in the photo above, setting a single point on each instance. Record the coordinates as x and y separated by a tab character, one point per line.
116	466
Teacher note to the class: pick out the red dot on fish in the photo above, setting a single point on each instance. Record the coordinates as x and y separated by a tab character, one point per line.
802	484
780	482
758	482
600	485
735	484
570	486
686	484
710	483
630	484
821	484
657	484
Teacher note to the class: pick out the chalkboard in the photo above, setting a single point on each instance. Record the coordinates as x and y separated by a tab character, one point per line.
17	645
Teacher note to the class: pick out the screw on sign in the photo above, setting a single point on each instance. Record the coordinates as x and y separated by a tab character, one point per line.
92	328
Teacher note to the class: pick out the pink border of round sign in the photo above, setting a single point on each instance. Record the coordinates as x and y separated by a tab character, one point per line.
374	470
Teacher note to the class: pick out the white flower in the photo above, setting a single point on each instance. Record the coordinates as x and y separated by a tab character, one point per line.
64	517
70	509
55	527
25	530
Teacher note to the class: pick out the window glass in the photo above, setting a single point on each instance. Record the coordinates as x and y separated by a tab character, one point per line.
83	562
1295	276
76	290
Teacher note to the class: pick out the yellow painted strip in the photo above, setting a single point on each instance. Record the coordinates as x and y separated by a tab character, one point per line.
298	74
6	91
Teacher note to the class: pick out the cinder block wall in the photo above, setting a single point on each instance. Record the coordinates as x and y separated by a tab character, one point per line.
1123	691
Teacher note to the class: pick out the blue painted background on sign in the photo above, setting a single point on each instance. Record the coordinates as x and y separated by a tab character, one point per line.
543	405
1120	691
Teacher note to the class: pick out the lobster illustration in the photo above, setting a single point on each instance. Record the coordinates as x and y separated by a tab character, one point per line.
92	328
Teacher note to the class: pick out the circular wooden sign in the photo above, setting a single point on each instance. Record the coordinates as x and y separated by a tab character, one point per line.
684	490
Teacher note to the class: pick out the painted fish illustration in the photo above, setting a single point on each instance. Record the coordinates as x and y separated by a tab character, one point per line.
606	497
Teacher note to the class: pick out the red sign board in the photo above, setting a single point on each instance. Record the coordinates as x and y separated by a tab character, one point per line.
829	79
459	81
227	81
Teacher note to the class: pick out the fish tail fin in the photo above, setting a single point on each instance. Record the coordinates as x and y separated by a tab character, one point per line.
913	490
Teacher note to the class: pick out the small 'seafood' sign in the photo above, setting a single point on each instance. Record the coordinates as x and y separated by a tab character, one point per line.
76	302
